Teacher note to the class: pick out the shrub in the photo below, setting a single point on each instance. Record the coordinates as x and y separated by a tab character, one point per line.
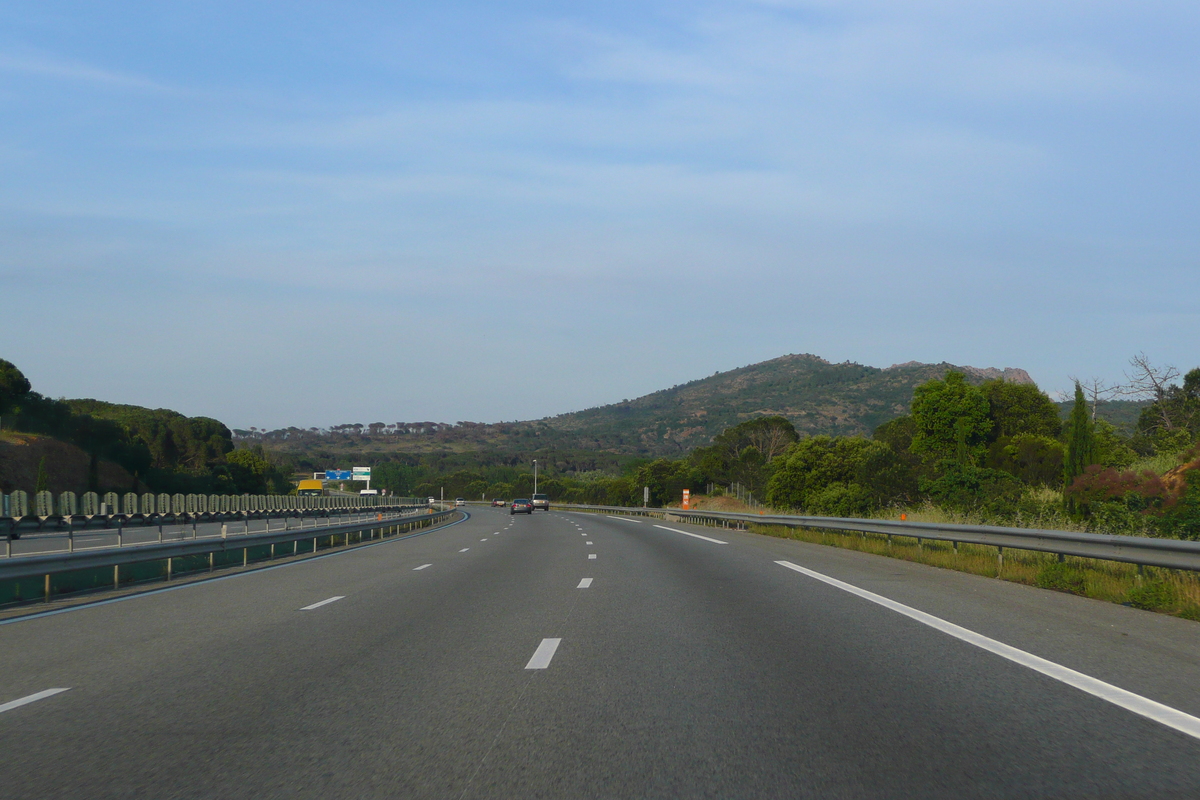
1061	578
1154	595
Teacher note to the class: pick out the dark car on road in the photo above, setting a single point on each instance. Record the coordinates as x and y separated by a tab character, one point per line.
521	506
541	501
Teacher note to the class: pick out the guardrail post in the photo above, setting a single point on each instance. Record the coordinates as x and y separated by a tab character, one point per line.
47	588
999	561
314	545
272	551
120	532
224	531
170	562
245	556
210	561
116	576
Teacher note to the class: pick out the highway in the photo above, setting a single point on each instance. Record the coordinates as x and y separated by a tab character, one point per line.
571	655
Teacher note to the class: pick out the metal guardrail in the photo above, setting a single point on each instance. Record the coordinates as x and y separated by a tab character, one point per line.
1169	553
48	564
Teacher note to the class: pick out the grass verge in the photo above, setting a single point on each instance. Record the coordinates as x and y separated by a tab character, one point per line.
1167	591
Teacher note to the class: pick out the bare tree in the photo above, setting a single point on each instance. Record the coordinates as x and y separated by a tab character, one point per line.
1149	382
1097	391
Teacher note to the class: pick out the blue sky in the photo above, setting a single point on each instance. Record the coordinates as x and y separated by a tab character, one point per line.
313	213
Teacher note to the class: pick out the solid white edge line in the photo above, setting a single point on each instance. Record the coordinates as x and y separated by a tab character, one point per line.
1143	706
33	698
696	535
543	654
584	583
624	519
324	602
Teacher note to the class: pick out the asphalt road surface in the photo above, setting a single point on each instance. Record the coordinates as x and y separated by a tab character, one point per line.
570	655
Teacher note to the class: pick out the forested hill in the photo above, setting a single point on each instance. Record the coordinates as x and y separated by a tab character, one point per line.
816	395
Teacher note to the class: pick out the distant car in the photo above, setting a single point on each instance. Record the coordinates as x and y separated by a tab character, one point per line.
432	500
498	502
458	501
541	501
521	506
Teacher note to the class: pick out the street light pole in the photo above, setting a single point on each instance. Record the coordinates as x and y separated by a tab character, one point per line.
535	476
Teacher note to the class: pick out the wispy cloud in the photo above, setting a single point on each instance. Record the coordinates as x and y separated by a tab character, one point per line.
49	66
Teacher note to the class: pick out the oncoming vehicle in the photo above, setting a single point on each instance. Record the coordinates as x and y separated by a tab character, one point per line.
458	501
310	489
521	506
497	502
541	501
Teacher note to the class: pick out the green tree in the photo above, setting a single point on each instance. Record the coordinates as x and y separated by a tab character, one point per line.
1032	458
950	420
842	476
742	453
1017	408
42	482
667	479
14	386
1081	448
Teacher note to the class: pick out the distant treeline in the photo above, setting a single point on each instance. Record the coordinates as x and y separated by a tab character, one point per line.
164	450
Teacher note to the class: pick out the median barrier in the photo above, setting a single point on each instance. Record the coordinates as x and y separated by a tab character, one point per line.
41	577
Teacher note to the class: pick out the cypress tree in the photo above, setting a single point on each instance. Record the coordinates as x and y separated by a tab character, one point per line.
1081	446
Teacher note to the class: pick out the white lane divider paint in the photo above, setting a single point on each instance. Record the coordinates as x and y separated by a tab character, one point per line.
483	540
585	583
591	555
694	535
33	698
324	602
543	655
465	549
1143	706
423	566
587	543
624	519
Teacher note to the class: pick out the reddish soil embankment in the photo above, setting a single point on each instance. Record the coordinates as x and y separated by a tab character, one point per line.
66	466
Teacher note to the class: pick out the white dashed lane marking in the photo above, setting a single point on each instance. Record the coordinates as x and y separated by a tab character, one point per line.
543	655
423	566
465	549
33	698
324	602
584	583
591	555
